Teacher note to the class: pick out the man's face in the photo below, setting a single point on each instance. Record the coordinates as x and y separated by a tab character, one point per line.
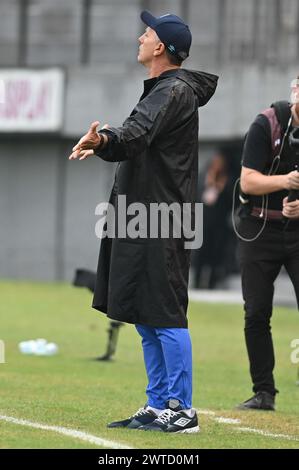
148	43
295	91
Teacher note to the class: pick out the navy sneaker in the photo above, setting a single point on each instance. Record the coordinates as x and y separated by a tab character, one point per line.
260	401
142	417
173	419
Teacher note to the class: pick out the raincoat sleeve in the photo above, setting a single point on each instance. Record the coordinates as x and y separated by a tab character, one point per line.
152	116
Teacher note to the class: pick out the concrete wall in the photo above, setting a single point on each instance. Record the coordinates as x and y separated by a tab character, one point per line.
28	182
47	209
94	94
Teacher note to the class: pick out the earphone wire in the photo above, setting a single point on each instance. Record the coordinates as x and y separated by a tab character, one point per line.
265	198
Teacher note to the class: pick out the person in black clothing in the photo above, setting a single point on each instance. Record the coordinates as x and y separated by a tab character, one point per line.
270	225
143	279
215	259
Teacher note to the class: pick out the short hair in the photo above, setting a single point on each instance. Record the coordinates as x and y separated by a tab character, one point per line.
174	60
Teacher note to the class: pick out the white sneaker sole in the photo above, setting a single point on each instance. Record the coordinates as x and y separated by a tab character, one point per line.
189	430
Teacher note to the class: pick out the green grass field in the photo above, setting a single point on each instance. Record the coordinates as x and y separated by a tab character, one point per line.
72	391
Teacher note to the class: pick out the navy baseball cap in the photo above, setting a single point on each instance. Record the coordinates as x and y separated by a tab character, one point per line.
172	31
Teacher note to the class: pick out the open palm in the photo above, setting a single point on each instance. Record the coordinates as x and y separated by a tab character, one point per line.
87	144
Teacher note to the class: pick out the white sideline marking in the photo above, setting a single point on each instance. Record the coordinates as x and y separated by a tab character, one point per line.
232	421
269	434
227	420
67	432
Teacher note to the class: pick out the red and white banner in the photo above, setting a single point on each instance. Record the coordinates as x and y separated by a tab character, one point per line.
31	100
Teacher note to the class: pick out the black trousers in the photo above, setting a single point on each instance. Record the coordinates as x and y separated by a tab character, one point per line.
260	263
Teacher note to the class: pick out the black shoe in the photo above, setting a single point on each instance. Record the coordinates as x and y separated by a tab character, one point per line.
260	401
173	420
142	417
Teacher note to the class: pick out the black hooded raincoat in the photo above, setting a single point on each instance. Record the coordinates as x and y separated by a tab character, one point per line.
145	280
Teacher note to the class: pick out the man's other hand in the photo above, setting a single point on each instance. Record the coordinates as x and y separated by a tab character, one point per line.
290	209
292	180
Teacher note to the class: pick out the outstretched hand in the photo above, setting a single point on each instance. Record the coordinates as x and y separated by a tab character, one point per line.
88	143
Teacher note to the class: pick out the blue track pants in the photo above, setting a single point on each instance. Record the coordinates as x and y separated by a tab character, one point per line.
168	361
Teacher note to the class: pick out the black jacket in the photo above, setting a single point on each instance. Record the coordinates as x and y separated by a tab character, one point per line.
145	280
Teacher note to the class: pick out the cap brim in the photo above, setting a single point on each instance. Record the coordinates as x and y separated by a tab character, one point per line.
148	19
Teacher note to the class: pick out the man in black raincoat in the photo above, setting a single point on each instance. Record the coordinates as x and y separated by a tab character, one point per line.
141	279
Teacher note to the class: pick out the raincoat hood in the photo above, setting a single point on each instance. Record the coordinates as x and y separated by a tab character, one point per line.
203	84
